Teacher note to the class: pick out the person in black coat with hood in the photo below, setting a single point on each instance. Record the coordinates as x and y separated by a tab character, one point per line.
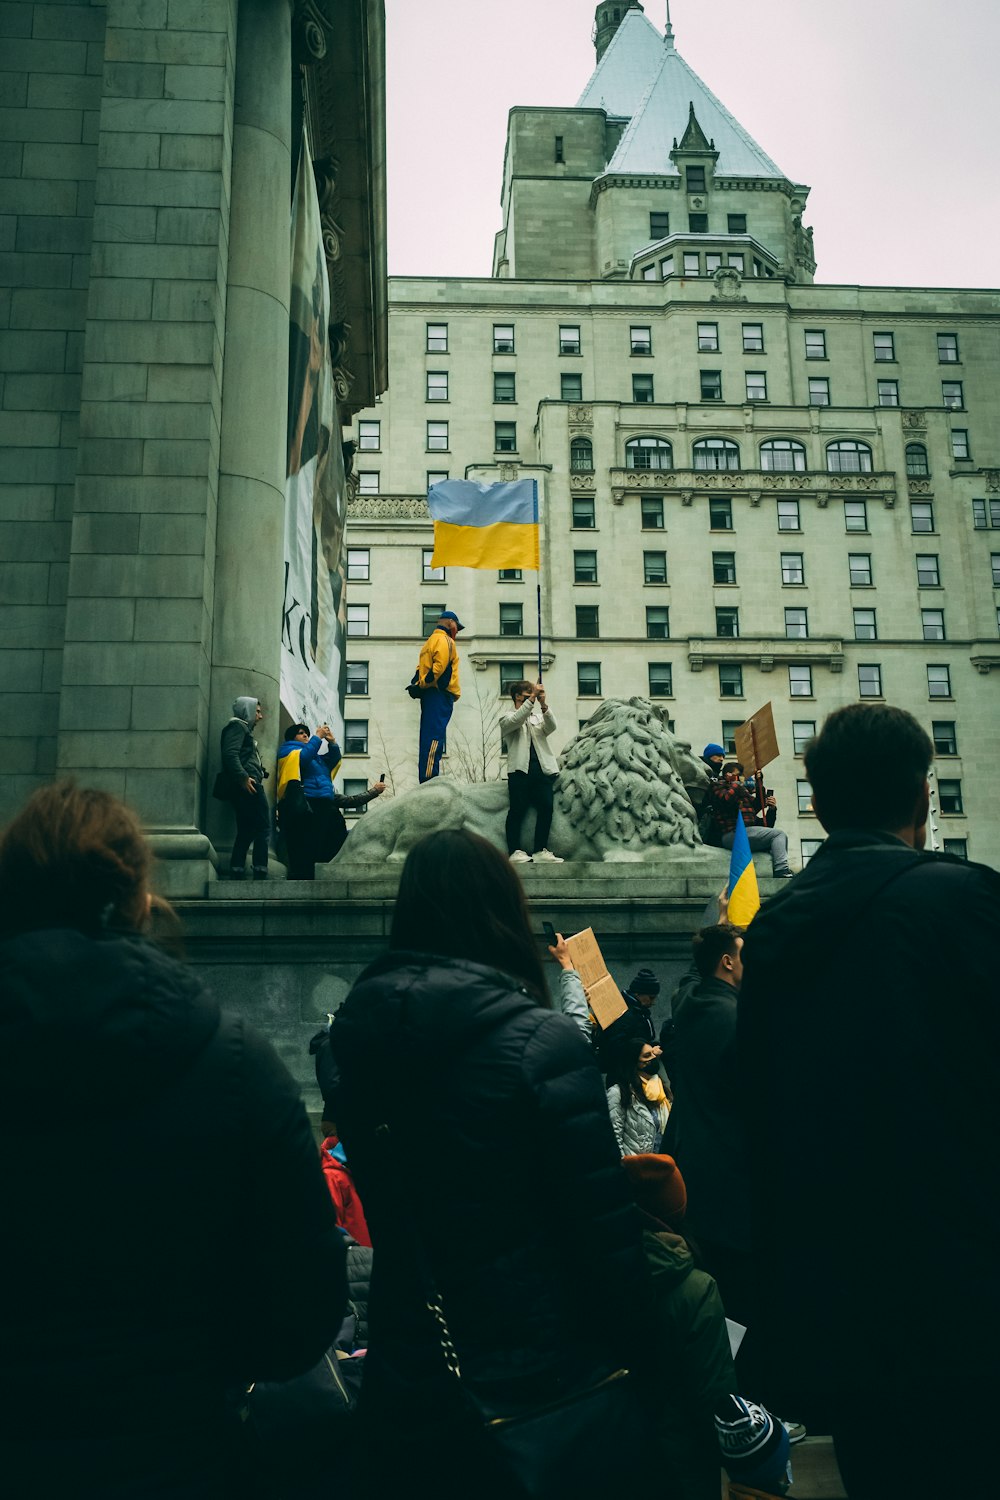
168	1234
494	1172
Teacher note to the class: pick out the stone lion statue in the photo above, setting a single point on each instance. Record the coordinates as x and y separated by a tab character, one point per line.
623	793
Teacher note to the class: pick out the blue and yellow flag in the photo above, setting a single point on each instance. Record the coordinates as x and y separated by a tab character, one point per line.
484	525
744	897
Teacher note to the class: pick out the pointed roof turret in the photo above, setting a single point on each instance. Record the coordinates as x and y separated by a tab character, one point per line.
694	139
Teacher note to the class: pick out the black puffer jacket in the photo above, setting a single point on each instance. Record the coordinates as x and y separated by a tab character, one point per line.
167	1223
500	1161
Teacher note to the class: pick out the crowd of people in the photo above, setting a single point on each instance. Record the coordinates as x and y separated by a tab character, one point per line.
511	1263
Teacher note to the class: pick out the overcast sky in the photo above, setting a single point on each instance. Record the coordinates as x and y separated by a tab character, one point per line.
888	109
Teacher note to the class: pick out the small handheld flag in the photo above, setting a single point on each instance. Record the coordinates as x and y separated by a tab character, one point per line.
744	897
484	525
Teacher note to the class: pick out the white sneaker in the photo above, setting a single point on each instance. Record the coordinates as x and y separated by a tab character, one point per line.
520	858
546	857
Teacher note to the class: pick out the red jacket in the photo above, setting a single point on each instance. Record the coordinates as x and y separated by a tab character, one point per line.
350	1214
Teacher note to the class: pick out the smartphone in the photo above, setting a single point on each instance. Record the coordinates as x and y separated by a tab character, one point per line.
550	933
381	776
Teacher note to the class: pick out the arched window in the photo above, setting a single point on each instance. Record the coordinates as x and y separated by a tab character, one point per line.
581	455
917	466
716	453
782	455
648	453
848	457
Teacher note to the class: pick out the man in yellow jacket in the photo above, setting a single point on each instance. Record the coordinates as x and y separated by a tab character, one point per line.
435	683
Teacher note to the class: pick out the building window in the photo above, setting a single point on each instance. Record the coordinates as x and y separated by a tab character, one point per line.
355	736
667	266
505	437
510	672
587	622
437	385
697	223
588	679
727	624
711	385
649	272
708	338
437	338
640	339
958	847
960	443
436	476
659	226
944	737
788	516
947	348
648	453
950	796
728	735
642	389
720	514
865	628
916	461
815	345
730	680
783	456
661	679
356	679
848	456
430	574
559	148
357	620
369	439
657	623
569	338
753	338
359	565
932	624
368	481
796	624
512	619
986	515
429	616
581	456
885	347
855	515
803	797
819	391
860	569
723	567
504	389
803	730
651	512
736	223
503	338
509	575
716	453
995	568
888	392
571	387
690	263
870	681
584	515
584	567
355	786
738	263
951	394
654	567
938	682
921	516
928	570
756	385
800	682
792	568
810	847
437	437
695	179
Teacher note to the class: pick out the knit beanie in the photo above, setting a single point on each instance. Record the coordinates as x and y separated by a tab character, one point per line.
644	983
657	1186
754	1446
712	750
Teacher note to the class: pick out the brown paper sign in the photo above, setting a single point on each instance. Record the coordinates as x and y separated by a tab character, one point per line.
603	995
756	741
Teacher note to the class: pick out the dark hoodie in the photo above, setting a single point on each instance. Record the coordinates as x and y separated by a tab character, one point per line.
869	1032
167	1225
501	1164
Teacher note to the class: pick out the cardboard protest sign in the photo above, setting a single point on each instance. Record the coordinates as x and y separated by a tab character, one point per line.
756	741
603	995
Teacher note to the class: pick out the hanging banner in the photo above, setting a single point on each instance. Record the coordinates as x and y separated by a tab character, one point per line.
313	615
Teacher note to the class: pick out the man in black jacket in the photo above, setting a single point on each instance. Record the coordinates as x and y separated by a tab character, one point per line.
869	1037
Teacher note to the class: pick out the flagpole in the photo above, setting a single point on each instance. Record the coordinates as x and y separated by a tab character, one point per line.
538	578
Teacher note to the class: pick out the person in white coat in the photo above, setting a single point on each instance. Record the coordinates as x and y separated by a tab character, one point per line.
531	771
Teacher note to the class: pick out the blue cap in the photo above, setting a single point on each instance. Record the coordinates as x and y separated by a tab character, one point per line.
712	750
449	614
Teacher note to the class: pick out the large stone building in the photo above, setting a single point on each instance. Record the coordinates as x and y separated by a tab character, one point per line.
753	487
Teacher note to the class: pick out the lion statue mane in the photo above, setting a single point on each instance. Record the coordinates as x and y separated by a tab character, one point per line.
623	793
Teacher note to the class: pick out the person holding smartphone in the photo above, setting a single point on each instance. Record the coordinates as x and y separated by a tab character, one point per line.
531	771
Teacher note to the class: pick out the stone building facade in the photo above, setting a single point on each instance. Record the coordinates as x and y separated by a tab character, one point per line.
754	487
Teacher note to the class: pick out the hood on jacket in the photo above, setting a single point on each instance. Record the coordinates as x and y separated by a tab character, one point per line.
246	709
104	1023
667	1254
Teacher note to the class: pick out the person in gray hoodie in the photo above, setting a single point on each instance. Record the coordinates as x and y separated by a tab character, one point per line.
245	773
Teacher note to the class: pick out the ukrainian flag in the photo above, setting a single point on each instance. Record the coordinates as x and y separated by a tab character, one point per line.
744	897
484	525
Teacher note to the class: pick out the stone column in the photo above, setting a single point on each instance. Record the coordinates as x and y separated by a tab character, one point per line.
249	580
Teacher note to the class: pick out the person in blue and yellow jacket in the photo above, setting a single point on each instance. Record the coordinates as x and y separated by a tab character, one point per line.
435	683
309	810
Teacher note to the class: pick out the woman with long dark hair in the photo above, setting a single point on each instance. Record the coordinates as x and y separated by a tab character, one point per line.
491	1178
637	1100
